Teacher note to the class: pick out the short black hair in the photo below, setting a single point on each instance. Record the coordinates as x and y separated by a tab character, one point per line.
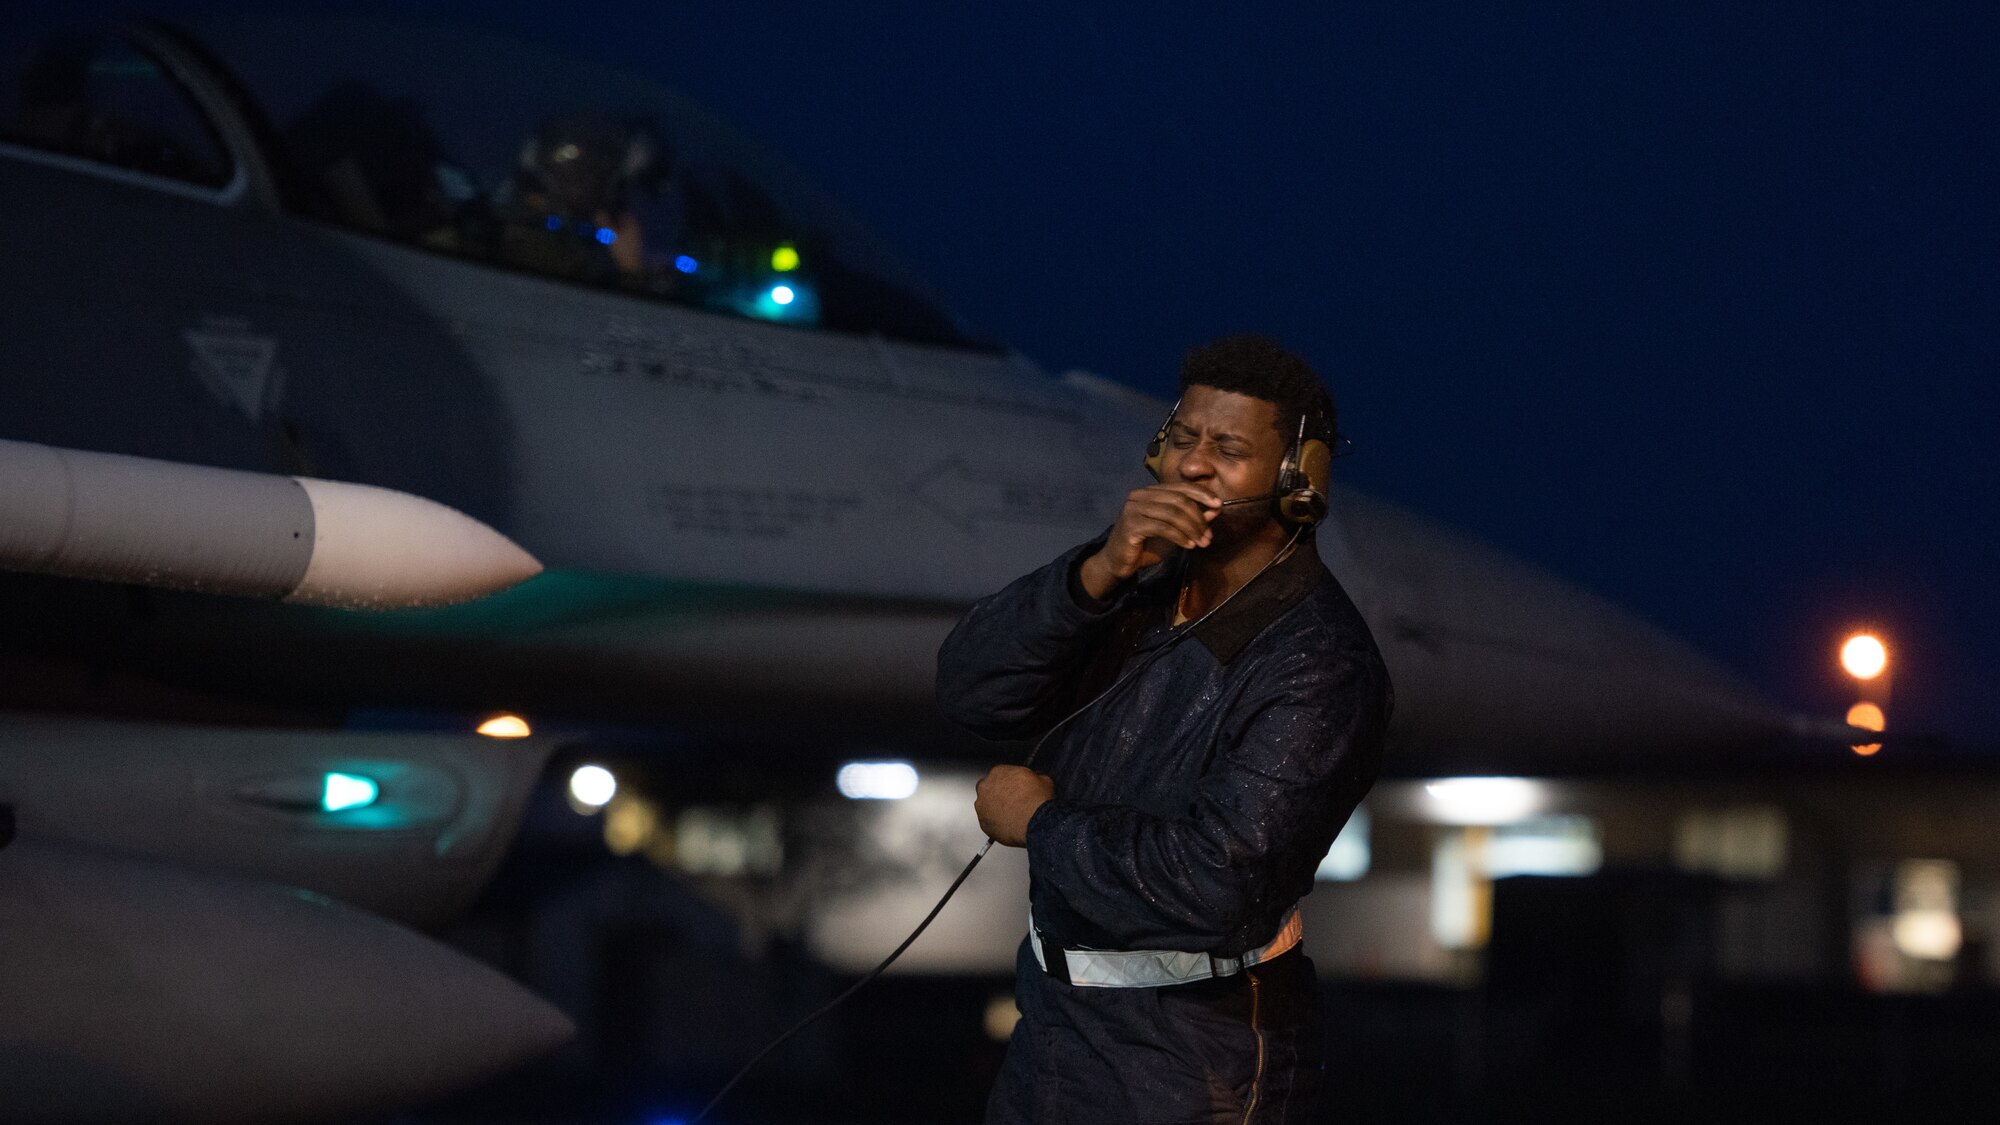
1256	365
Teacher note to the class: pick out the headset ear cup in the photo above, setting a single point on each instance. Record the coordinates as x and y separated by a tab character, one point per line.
1304	498
1302	506
1316	465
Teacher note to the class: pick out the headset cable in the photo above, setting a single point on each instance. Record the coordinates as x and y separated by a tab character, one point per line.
1180	633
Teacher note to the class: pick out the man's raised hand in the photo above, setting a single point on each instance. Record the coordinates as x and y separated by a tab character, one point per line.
1157	520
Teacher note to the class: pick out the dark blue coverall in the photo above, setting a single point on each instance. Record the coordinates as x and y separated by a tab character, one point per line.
1192	806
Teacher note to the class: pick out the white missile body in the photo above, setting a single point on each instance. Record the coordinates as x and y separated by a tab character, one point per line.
139	990
114	518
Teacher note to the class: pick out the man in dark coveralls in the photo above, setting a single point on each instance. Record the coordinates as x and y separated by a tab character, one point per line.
1183	813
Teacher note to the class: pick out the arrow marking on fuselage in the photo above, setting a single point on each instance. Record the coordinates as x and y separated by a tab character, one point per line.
966	498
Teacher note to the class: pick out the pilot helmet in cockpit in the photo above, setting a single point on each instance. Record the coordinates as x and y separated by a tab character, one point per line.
582	165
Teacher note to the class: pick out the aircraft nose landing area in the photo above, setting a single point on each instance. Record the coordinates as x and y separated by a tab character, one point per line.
156	992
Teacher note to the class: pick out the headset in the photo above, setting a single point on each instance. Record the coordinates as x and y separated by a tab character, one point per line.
1303	477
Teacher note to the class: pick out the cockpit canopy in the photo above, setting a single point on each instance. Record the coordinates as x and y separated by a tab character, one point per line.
95	98
476	146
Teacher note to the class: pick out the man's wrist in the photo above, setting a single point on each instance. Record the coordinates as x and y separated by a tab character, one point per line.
1096	579
1028	826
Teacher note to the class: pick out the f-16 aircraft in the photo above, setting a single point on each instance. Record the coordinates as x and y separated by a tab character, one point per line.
356	366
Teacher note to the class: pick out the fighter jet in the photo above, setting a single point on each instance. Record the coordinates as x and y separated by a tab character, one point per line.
355	366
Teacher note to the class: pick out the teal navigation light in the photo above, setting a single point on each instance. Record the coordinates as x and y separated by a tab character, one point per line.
348	791
786	298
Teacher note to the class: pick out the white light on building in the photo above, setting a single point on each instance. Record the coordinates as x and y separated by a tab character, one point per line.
1930	935
1556	845
1483	800
1926	925
592	786
1347	860
876	781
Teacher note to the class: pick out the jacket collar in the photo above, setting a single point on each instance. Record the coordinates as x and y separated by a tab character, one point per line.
1229	629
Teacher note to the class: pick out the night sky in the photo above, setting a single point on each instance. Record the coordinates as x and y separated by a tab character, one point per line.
1692	304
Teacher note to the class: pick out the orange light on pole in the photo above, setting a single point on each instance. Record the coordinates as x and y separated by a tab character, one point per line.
1867	716
1864	656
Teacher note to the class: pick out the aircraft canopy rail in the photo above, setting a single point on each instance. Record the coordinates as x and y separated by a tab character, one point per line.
98	98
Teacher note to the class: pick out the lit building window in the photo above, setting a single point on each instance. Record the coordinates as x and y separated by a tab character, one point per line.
1911	939
1927	925
1465	862
1347	860
1553	845
1746	842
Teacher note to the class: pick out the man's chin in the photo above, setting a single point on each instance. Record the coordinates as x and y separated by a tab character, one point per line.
1232	532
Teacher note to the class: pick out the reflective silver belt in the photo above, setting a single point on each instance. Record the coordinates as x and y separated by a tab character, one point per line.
1153	968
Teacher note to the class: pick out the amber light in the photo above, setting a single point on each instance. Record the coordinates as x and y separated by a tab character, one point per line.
505	726
1867	716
